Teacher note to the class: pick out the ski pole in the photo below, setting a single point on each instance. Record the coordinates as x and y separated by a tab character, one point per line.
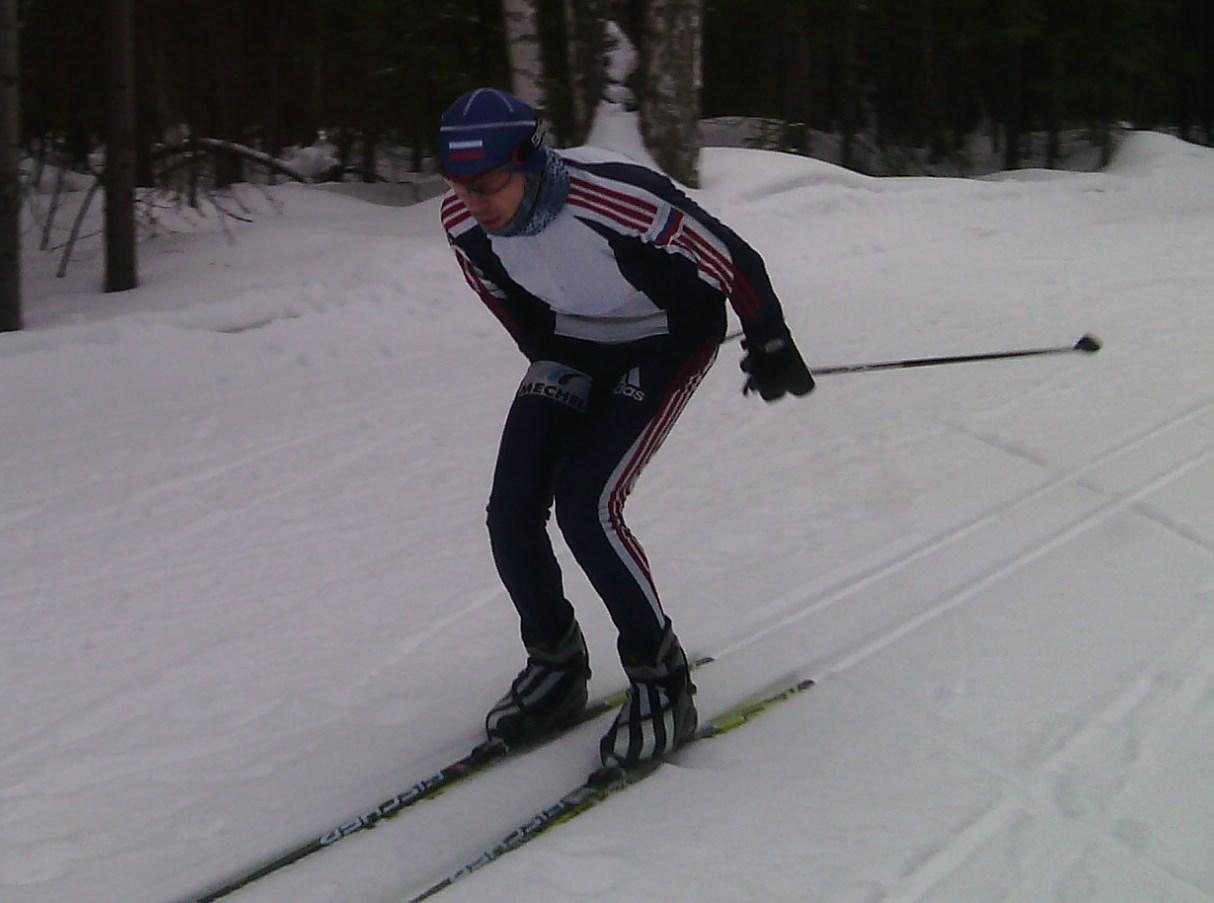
1088	343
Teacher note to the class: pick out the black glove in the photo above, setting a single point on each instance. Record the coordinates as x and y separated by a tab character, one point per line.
774	367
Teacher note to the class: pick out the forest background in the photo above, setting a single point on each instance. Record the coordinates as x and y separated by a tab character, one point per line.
187	96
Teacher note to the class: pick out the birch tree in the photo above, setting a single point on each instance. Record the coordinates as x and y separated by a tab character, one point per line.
584	47
672	78
523	46
10	188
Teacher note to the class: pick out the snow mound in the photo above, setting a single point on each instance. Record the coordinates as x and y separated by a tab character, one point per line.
1153	153
746	174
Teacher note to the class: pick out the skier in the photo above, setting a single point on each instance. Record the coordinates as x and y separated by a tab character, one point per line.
612	282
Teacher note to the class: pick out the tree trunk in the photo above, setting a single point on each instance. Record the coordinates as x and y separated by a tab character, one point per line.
671	63
1014	103
120	267
10	186
1053	149
932	105
797	80
523	47
584	41
275	126
225	98
848	82
1205	103
149	74
370	167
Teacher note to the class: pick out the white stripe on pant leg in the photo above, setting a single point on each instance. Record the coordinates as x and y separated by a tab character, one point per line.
656	432
666	418
620	485
614	513
609	518
624	477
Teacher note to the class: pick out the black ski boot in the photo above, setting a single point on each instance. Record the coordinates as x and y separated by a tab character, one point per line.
548	694
659	715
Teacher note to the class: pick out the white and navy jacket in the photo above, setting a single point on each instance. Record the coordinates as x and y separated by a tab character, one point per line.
628	256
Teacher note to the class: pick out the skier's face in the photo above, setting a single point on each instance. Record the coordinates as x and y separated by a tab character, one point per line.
492	198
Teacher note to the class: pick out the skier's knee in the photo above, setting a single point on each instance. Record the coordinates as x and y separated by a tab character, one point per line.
579	517
507	515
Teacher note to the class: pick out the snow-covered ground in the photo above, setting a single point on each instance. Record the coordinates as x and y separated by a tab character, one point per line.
247	592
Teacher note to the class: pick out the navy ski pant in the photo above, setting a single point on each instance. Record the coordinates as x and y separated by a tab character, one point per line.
583	425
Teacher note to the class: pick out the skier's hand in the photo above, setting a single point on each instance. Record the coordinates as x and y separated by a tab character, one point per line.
774	367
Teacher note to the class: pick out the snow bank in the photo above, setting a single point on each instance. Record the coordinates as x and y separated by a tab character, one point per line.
247	592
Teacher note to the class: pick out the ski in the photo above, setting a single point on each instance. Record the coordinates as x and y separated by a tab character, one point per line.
607	781
482	757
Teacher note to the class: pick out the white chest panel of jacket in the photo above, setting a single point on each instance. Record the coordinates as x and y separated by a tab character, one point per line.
573	269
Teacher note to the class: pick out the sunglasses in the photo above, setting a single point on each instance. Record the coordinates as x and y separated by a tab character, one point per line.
484	185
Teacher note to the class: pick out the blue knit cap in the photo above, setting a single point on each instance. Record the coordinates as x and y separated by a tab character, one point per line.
486	129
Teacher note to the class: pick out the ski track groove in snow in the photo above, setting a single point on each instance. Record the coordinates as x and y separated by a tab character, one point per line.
207	474
1039	796
1036	797
214	520
1043	795
848	587
161	488
975	587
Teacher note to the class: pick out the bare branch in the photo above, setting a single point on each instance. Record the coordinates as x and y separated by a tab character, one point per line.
71	242
230	147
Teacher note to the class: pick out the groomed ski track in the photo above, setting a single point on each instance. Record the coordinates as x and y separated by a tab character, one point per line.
243	570
1048	517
